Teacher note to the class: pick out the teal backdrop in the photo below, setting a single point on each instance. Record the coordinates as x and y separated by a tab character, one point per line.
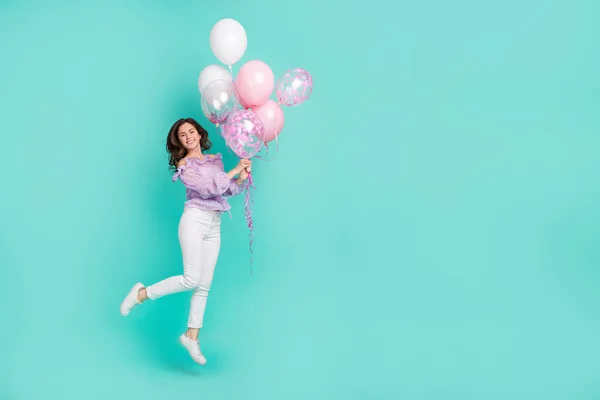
429	228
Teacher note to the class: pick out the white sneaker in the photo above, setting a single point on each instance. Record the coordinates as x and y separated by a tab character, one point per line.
193	347
131	299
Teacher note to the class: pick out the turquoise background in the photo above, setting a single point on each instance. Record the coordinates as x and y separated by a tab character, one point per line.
429	228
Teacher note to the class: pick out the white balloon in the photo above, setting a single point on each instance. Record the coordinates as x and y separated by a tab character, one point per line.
213	73
228	41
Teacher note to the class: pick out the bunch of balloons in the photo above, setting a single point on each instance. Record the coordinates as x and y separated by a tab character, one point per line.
242	107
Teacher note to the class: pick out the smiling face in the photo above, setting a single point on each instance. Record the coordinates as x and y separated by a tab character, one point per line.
189	137
186	136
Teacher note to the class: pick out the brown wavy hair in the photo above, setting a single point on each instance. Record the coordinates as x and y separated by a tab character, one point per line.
175	149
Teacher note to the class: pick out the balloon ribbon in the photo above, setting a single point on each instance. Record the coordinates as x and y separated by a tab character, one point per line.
249	201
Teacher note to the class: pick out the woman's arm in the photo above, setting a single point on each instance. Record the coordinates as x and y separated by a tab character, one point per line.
211	184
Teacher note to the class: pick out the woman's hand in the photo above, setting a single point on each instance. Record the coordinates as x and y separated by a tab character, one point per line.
243	167
245	173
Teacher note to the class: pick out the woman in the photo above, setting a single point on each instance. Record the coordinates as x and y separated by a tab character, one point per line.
207	187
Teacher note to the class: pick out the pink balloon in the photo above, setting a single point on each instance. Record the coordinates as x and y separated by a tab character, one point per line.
237	95
272	118
254	84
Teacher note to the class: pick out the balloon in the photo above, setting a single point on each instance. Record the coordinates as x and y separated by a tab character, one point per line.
254	84
212	73
237	95
243	132
228	41
294	87
218	101
272	118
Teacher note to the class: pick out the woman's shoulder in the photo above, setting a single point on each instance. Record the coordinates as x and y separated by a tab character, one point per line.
183	162
216	157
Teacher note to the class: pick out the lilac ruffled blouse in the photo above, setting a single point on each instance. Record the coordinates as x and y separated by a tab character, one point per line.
207	184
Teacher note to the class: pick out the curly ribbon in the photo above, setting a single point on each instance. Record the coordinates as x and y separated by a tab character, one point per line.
249	201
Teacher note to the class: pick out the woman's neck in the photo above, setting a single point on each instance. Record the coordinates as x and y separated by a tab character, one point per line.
195	153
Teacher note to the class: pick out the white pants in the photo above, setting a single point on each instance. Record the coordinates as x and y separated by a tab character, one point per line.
200	240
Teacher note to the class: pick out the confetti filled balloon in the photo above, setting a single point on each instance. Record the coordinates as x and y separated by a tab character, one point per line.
243	132
294	87
218	101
